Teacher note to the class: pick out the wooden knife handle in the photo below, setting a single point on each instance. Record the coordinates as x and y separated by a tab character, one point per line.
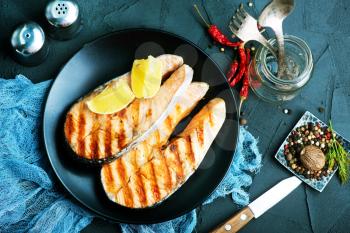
236	222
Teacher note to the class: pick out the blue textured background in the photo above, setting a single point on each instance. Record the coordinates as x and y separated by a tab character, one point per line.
324	24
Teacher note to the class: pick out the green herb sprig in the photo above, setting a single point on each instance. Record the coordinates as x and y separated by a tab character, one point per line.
338	155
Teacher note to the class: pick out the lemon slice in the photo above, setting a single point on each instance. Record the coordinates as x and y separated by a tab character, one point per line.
112	99
146	77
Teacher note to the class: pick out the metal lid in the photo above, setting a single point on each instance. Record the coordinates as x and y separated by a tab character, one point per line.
28	39
62	13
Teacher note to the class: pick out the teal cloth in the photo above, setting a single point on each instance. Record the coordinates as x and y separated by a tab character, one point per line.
30	200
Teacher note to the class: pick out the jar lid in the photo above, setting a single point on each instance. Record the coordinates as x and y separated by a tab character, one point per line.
62	13
28	39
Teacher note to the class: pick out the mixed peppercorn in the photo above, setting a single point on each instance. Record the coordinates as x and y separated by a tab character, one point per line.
304	136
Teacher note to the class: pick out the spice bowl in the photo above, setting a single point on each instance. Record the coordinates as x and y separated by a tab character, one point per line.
317	180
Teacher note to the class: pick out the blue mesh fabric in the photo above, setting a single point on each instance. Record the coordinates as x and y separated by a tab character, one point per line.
30	200
246	162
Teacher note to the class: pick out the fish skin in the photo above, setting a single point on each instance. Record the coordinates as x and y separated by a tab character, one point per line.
163	170
96	137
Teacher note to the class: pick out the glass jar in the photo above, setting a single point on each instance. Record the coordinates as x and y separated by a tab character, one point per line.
263	77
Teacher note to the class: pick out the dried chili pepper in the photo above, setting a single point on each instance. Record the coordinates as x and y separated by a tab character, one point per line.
238	76
245	88
242	66
232	71
219	37
216	34
244	91
233	77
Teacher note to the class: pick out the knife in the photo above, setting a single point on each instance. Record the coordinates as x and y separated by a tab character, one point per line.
260	205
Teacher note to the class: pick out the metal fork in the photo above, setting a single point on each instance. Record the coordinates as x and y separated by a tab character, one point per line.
245	27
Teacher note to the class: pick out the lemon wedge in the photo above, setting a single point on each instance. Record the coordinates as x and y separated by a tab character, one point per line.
146	77
112	99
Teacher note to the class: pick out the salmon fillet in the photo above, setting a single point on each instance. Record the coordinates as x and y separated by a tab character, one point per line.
152	172
96	137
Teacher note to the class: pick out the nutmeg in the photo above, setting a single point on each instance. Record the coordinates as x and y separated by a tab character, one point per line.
312	158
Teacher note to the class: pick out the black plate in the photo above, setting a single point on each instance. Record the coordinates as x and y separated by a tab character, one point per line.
111	56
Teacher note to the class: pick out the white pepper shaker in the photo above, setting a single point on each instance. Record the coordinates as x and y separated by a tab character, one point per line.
28	44
63	19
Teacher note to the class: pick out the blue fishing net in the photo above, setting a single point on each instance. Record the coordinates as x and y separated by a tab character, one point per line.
30	200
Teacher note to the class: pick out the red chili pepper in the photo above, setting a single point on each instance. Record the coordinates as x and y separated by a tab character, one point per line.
242	66
238	77
215	32
245	88
232	71
219	37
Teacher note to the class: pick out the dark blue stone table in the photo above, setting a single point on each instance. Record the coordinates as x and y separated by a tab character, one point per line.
324	24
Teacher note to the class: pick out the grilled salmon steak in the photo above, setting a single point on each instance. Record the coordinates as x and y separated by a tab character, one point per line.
96	137
154	170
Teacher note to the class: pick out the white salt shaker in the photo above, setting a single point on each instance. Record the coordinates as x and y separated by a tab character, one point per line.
63	19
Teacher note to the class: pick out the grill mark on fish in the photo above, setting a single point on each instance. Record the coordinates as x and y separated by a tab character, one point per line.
109	178
94	145
114	138
69	127
155	187
100	134
121	113
81	133
140	186
126	189
190	153
135	110
121	134
141	191
179	171
200	133
108	137
168	184
211	120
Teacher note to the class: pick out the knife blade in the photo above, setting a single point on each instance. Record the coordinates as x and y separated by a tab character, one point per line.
260	205
273	195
